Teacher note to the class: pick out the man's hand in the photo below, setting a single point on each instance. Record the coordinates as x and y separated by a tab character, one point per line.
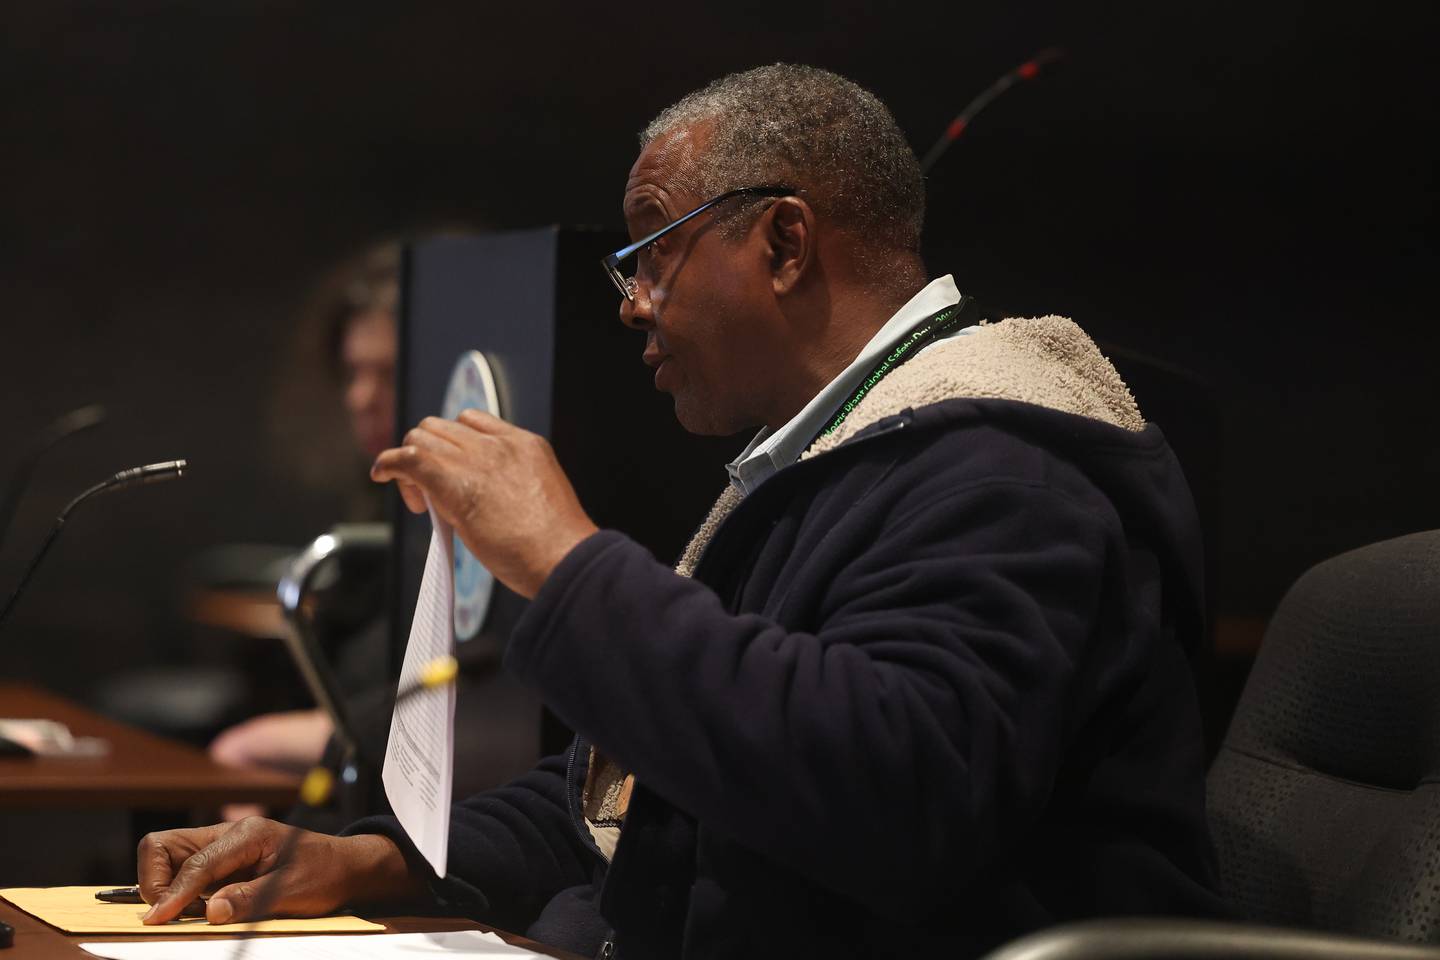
500	487
238	864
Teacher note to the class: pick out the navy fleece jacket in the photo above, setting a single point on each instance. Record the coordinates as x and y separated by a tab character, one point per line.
926	690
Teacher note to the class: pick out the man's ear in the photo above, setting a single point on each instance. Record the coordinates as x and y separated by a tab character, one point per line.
790	241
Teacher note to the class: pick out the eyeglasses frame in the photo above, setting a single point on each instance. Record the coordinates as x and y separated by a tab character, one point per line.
611	262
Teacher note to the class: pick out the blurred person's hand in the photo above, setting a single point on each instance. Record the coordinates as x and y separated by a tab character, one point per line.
238	865
500	487
292	741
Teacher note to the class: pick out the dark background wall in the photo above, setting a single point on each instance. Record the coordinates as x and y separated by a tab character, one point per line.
1243	189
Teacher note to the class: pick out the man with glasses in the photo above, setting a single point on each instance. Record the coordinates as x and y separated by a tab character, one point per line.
920	680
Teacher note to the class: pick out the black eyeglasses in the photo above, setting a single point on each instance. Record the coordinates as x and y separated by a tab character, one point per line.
611	263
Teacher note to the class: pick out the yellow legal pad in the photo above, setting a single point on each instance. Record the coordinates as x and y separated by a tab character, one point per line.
75	910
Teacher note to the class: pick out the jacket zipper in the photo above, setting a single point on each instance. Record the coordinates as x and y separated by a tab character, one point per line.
572	799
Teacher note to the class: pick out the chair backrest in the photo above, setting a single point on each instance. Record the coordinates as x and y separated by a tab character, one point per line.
1324	799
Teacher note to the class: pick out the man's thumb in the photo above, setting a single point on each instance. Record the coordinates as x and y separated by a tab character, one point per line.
241	902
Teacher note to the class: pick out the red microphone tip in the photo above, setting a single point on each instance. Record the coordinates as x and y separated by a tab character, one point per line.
1028	70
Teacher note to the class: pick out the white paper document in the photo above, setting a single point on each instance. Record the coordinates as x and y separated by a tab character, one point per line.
378	946
420	756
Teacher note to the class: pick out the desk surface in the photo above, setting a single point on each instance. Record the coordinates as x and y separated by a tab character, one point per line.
142	771
39	941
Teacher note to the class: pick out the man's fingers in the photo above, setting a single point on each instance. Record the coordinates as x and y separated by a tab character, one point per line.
160	854
237	849
458	431
154	866
409	468
483	422
395	464
248	900
418	463
433	442
436	434
413	496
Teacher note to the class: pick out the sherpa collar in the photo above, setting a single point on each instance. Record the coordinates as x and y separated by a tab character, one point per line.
1047	361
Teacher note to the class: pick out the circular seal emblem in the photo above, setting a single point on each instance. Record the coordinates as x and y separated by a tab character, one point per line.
472	387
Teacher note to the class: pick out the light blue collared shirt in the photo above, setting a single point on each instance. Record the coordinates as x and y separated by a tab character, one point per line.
770	452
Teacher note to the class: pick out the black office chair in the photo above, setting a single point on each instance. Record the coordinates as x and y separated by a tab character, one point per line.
1324	800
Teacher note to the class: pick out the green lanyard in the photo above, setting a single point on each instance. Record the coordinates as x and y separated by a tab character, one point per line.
927	331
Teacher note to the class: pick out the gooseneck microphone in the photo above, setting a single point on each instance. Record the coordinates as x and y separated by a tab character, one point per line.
1028	70
149	473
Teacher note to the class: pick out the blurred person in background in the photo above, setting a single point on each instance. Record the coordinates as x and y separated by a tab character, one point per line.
352	319
341	371
364	337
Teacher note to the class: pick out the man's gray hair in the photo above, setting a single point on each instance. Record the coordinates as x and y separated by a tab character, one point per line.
807	128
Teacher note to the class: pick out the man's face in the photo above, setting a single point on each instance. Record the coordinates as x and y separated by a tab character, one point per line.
702	299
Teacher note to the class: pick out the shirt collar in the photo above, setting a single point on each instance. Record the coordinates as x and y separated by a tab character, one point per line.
771	451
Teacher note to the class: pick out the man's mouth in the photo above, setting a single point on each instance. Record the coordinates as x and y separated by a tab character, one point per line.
657	361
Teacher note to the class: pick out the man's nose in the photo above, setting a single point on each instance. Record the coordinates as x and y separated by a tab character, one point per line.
636	314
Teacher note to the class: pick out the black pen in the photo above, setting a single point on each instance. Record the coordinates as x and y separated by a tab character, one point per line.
132	895
121	895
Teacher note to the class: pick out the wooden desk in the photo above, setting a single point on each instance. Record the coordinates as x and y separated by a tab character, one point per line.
142	771
254	613
38	941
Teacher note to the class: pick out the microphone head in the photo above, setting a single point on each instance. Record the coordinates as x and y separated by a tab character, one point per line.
149	473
